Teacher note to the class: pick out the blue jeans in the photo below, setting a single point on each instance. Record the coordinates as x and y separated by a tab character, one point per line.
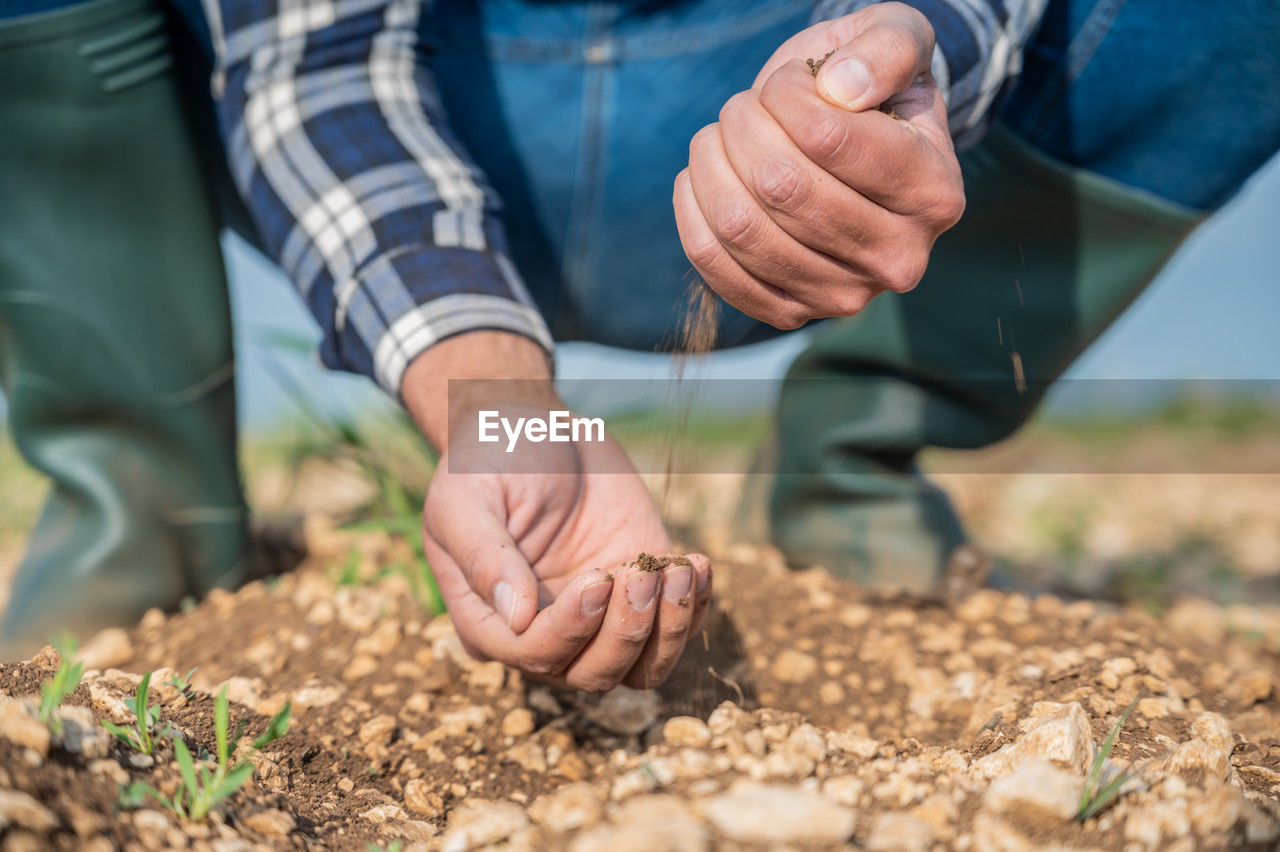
581	113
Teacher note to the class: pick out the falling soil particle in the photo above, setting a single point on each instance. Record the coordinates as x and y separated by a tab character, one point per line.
652	564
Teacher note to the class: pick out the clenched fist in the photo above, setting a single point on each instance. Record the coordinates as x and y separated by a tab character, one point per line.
805	201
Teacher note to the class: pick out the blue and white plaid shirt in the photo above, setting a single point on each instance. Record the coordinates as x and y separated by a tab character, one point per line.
340	146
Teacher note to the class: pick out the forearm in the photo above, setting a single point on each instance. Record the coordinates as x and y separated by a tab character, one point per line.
438	408
978	57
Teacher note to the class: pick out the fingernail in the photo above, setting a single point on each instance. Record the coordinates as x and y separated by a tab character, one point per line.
846	81
642	589
704	580
595	596
676	584
504	600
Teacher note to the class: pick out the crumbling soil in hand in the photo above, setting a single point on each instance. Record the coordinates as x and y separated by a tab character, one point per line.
649	563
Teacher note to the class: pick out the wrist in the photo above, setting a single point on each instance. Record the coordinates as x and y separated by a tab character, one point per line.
454	379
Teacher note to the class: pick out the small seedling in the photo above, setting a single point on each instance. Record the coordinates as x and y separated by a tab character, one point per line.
182	683
200	791
63	683
146	718
393	846
1097	794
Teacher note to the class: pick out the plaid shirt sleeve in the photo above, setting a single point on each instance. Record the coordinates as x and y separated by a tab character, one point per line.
338	143
978	55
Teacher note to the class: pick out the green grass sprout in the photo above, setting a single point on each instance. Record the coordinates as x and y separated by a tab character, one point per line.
202	790
146	720
1097	794
182	683
64	682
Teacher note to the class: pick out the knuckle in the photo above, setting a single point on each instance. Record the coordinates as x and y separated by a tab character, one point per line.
541	666
737	225
704	253
735	107
780	185
851	300
824	139
673	632
902	271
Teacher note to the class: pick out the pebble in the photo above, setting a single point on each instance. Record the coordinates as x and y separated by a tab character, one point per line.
760	813
488	677
793	666
360	667
659	822
110	769
518	722
272	823
21	728
19	809
1036	784
569	808
477	822
1061	735
686	731
108	649
421	798
626	711
378	731
81	734
900	832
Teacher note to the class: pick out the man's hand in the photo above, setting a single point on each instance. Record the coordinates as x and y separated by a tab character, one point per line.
531	563
805	201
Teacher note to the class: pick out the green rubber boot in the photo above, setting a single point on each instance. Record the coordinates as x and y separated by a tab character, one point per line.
115	333
1044	260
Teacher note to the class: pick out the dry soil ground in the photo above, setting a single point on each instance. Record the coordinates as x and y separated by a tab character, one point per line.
849	719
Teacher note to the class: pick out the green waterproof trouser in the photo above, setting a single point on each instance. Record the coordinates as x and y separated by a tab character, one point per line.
115	332
1042	262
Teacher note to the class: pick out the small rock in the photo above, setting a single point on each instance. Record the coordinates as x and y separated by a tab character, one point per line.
626	711
761	813
487	676
686	731
1199	763
150	822
141	761
792	666
360	667
477	822
421	799
377	731
1252	688
1036	784
900	832
518	722
831	693
379	814
380	641
80	734
109	649
110	769
659	822
107	703
529	755
272	823
21	728
1147	824
20	809
1062	735
569	808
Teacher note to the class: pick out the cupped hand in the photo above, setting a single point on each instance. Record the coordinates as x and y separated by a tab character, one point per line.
805	201
532	551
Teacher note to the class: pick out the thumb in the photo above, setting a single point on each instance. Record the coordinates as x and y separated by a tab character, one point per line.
477	539
884	59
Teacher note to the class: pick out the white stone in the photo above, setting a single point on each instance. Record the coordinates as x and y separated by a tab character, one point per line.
761	813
